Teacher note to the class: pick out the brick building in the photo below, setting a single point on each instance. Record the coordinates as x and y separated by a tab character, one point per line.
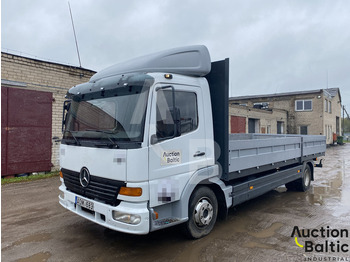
32	94
249	119
315	112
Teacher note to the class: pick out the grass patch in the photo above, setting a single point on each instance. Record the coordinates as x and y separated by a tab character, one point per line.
5	181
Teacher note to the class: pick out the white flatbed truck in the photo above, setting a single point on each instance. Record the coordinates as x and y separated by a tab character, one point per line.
146	146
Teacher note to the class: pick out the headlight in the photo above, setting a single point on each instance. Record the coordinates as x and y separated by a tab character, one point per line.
126	218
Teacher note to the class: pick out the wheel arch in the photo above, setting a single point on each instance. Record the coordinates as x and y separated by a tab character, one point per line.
220	196
205	177
219	189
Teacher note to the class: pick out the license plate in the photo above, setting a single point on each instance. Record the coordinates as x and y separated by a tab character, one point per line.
84	203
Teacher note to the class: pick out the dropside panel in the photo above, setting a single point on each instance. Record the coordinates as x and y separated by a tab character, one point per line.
255	153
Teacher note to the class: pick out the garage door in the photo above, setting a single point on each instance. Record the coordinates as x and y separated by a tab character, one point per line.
237	124
26	124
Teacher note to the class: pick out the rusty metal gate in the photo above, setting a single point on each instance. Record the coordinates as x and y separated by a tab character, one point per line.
26	127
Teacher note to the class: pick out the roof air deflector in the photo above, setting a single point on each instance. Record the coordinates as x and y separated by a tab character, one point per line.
189	60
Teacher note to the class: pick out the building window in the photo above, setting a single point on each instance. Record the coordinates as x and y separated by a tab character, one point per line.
303	130
330	107
303	105
325	105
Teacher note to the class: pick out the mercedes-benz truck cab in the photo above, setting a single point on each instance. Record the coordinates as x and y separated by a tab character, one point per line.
146	146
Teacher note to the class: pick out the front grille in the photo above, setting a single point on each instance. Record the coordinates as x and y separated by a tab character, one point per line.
99	188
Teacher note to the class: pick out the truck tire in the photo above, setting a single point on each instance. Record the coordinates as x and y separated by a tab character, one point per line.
303	184
202	213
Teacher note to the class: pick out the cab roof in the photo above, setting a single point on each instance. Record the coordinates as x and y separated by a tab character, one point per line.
189	60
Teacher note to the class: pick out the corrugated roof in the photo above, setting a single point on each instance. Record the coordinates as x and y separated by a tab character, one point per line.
277	94
48	61
331	91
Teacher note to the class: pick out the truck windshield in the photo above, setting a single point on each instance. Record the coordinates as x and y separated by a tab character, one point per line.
110	116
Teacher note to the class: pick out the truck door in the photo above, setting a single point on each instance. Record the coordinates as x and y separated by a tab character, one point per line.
177	141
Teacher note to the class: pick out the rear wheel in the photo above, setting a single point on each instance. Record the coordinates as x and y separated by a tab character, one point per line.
304	183
202	213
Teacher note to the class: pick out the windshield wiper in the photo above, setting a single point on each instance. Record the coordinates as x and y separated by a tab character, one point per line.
76	140
106	133
102	131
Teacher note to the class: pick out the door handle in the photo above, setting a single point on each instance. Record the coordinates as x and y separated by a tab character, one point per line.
198	153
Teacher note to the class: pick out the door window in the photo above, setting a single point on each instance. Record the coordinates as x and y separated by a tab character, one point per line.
181	118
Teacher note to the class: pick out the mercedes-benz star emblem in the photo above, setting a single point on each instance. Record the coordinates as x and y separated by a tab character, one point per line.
84	177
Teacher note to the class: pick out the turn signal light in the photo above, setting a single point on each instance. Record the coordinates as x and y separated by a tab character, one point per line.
168	76
131	191
61	174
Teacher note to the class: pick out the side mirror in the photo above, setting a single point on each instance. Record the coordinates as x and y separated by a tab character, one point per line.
66	106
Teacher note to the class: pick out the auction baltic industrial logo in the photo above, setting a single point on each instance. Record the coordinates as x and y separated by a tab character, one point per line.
322	240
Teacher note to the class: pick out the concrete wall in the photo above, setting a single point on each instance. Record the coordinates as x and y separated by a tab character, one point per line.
32	74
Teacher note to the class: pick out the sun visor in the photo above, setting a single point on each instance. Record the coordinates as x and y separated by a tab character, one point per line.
189	60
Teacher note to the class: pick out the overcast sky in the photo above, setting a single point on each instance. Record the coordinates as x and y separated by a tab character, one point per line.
273	46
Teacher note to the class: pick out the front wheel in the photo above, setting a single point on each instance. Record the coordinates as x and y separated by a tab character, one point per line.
202	213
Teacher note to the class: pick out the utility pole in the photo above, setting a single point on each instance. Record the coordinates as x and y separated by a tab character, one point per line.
75	37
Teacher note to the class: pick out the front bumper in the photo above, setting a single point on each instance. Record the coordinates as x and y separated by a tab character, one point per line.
102	213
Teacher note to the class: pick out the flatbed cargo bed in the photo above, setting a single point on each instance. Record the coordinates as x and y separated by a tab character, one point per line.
254	153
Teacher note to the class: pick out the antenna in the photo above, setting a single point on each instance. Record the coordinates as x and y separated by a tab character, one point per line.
75	37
